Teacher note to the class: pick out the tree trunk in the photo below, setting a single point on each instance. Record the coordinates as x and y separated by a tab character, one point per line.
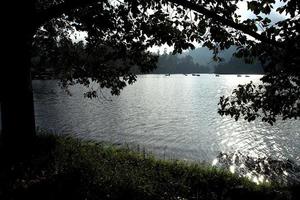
17	113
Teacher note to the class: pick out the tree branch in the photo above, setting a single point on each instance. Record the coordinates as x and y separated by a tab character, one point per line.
69	5
62	8
200	9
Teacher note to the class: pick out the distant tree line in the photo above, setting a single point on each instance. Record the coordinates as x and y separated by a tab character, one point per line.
187	63
238	66
174	64
48	65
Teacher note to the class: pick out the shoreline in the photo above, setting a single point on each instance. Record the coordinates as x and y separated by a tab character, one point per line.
70	167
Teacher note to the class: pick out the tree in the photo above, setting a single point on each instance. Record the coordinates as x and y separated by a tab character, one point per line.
121	31
16	95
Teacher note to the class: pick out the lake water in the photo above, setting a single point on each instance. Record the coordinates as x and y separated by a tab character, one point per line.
171	116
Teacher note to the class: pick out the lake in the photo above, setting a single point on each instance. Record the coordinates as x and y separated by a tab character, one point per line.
170	116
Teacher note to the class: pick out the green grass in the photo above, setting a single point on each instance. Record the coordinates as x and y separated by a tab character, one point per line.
67	168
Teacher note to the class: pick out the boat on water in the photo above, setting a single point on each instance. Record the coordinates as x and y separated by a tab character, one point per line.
247	76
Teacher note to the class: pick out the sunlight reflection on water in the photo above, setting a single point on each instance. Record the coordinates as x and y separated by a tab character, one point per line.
172	117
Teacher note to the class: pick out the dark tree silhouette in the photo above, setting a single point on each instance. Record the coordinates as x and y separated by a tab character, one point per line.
18	125
121	32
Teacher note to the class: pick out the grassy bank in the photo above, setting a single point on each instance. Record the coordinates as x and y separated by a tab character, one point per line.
67	168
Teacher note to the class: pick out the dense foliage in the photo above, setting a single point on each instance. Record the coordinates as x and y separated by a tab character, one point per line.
119	35
122	31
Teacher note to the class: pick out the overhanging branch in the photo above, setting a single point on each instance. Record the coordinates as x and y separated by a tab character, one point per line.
200	9
70	5
62	8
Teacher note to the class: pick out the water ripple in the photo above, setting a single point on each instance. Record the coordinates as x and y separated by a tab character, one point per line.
173	116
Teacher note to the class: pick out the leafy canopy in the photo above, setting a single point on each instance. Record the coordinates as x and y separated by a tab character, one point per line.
119	34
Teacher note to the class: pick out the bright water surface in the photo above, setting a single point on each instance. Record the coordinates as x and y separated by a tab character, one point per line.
171	116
